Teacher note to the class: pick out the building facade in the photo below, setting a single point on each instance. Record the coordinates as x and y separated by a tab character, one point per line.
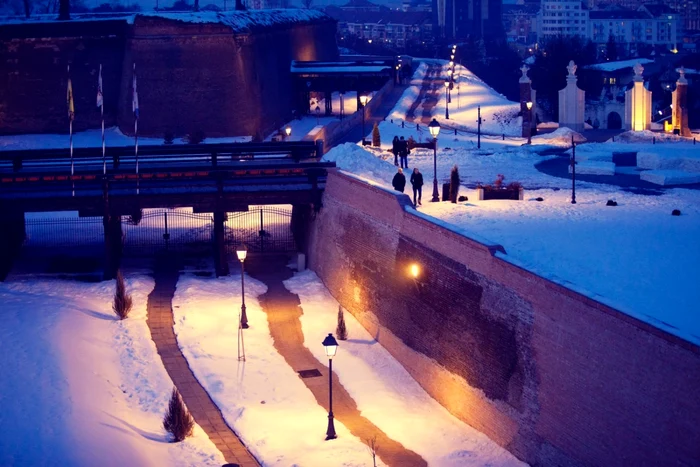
567	18
396	28
520	22
461	19
654	26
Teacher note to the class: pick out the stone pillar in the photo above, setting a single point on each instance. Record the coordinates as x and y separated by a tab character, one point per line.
220	261
572	102
12	234
679	115
301	216
638	103
113	244
525	97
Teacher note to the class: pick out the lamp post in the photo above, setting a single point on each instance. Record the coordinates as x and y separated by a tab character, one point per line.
573	170
318	114
478	127
363	102
288	131
447	102
331	346
529	122
242	252
434	128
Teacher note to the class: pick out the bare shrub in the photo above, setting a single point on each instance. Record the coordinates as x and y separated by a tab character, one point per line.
341	331
122	300
373	447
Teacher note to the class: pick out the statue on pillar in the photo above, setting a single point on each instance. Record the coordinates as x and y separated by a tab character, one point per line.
572	101
524	78
679	113
638	103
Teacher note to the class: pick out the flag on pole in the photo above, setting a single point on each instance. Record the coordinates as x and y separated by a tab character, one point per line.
135	99
69	98
100	100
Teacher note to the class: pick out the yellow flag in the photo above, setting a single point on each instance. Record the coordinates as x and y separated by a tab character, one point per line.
69	97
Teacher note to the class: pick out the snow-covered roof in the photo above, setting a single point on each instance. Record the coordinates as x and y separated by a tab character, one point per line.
619	65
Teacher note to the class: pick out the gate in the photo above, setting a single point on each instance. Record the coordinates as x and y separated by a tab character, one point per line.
167	230
262	229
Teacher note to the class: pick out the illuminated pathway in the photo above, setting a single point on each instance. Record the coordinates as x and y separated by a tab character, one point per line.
205	412
283	312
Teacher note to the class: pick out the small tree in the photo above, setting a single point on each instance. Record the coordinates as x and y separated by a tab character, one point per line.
373	448
178	421
341	331
122	301
376	139
454	184
611	48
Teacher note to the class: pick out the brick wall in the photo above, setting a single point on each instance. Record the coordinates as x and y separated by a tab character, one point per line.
556	378
191	76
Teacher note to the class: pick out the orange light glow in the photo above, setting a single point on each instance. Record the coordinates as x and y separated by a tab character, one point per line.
415	270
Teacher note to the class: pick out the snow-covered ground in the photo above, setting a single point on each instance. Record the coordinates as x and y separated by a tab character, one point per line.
635	257
79	387
263	399
384	391
92	139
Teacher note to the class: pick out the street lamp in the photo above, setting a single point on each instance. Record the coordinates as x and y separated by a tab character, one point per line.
288	131
447	107
242	252
434	128
331	346
529	122
452	57
363	102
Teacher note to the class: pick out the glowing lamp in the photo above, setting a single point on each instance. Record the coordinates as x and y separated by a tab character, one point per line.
529	105
330	345
452	57
242	252
447	84
452	63
288	130
434	128
363	100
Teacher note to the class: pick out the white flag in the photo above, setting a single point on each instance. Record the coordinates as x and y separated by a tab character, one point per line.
99	89
135	99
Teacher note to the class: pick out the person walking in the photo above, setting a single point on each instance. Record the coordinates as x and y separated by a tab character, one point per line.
403	152
417	182
399	181
395	150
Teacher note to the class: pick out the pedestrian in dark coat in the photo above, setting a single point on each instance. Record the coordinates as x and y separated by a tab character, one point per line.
403	152
395	150
417	182
454	184
399	181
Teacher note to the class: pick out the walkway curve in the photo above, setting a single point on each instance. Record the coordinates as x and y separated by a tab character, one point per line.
283	312
205	412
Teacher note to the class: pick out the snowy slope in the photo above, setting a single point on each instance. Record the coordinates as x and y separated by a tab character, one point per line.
384	391
80	388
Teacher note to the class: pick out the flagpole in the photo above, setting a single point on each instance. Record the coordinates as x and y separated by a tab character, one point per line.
102	117
70	126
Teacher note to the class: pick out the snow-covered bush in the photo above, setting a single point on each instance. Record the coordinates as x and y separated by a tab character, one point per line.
178	421
122	301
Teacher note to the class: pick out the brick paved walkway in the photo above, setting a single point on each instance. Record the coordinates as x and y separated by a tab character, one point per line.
205	412
283	312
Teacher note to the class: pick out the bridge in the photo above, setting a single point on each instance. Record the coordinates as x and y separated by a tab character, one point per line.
209	178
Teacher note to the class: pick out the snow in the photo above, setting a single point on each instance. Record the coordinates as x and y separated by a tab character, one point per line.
263	399
635	257
243	21
561	137
92	139
384	391
664	159
81	388
670	177
618	65
594	168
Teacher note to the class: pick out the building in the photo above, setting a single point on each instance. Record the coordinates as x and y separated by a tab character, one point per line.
395	27
520	22
654	25
562	18
461	19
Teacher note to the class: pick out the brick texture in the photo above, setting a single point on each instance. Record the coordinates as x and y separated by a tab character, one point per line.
191	76
553	376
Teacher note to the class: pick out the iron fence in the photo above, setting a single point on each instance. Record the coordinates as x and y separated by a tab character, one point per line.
261	229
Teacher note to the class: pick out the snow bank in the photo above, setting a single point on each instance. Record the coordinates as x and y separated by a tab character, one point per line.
81	388
670	177
244	21
669	160
561	137
362	162
384	391
594	168
263	399
648	136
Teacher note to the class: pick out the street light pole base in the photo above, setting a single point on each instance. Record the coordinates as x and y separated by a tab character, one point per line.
330	432
436	193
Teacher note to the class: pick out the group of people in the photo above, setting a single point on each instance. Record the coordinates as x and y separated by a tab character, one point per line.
399	183
399	147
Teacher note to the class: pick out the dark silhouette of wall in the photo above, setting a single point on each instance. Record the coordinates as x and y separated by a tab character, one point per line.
208	76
